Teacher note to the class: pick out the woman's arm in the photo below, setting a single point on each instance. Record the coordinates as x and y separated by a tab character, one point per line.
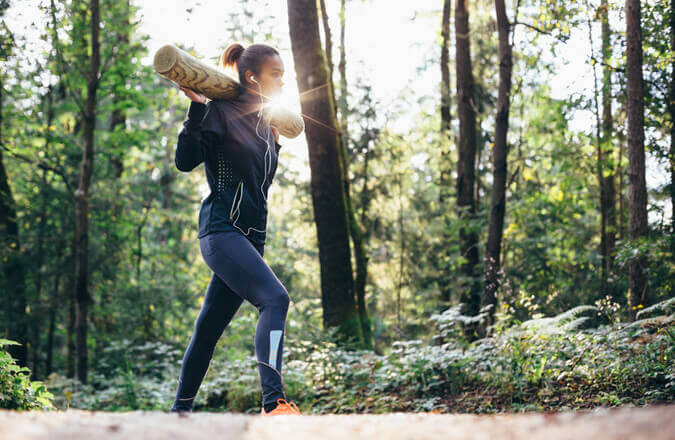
203	128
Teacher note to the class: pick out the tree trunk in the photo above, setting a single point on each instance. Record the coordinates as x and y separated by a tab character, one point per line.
605	155
16	319
477	164
70	295
53	307
88	117
401	267
356	228
446	117
637	269
671	107
470	296
445	164
327	189
328	41
499	165
619	170
38	310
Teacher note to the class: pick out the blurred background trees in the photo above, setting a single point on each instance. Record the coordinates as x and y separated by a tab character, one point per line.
490	201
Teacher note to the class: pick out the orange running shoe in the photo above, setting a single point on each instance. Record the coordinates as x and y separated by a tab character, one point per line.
283	407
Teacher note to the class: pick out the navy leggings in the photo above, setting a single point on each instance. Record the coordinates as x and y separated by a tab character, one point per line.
239	272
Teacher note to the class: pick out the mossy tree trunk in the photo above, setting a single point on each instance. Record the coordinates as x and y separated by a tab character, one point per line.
355	228
327	178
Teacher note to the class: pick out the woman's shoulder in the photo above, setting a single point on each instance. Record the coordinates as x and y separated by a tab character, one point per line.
223	105
228	103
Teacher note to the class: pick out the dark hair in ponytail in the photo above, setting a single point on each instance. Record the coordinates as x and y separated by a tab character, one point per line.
251	58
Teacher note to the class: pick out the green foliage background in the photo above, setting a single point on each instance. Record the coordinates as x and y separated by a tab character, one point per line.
147	279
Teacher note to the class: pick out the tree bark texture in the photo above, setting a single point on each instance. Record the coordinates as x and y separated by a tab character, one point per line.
326	182
637	269
499	163
470	295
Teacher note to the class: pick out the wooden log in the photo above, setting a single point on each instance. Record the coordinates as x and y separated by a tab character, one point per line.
180	67
289	124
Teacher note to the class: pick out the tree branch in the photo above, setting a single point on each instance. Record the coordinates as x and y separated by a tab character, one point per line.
40	164
541	31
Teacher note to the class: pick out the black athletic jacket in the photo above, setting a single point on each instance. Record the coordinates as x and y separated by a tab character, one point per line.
222	134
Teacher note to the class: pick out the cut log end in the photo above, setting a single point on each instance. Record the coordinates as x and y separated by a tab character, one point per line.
165	58
290	125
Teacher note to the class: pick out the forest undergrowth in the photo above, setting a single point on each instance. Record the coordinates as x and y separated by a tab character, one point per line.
575	360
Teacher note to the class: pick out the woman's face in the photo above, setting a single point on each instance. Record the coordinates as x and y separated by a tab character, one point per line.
270	77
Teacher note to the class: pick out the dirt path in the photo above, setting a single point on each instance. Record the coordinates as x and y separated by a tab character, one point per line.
652	423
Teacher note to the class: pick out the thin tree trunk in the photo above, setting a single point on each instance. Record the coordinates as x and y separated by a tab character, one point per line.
446	163
499	164
39	256
622	205
365	196
401	257
470	296
70	330
605	167
88	118
327	37
37	309
146	313
672	132
356	228
70	263
342	67
608	190
599	160
479	157
53	307
446	117
113	241
327	189
16	319
637	269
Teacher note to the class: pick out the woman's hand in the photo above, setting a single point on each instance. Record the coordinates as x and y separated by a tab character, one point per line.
275	132
195	96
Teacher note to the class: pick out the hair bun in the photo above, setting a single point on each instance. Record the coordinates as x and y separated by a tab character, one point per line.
241	59
231	54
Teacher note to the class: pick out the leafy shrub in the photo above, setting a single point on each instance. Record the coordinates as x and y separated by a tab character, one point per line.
567	361
125	377
17	391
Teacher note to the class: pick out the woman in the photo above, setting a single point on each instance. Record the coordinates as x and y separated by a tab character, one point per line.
240	151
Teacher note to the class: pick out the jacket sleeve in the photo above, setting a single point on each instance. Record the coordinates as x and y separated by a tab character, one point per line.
203	128
277	145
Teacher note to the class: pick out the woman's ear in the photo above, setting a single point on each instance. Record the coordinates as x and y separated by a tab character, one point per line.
248	75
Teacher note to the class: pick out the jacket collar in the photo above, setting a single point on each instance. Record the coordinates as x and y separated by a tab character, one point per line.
249	100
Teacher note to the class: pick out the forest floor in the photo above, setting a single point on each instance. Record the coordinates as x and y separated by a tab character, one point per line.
650	422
